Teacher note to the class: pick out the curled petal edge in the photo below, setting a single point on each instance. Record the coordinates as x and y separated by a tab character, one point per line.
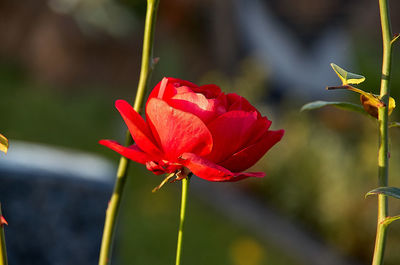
132	152
169	87
248	156
208	170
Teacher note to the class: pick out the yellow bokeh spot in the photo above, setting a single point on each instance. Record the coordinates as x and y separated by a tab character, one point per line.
246	251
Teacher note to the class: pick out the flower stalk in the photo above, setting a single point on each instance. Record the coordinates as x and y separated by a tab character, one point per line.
3	250
145	71
185	184
383	152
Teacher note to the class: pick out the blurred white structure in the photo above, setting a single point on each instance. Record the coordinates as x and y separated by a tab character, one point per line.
304	73
34	157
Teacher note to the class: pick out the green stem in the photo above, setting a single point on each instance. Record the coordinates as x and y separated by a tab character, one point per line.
147	56
145	71
185	184
3	250
383	153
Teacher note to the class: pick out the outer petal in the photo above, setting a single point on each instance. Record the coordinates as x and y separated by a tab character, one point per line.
236	102
138	128
258	130
197	104
171	87
178	131
247	157
132	152
208	170
230	132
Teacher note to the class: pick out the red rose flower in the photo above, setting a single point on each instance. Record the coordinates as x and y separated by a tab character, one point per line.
215	135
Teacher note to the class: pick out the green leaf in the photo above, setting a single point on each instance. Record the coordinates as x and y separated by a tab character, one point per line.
388	220
341	105
3	144
389	191
347	77
394	124
370	102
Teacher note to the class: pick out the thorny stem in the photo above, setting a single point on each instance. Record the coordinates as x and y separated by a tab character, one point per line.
383	153
115	201
3	250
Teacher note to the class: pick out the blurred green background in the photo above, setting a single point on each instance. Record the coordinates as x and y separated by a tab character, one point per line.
64	63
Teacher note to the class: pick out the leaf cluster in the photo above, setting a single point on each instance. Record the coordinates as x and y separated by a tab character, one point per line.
370	103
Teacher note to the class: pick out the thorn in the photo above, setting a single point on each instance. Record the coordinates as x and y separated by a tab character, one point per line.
156	60
337	87
3	221
395	38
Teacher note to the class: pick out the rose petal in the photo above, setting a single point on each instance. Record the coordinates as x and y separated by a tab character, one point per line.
197	104
178	131
209	91
132	152
247	157
173	86
138	128
230	132
245	175
258	130
236	102
208	170
162	167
